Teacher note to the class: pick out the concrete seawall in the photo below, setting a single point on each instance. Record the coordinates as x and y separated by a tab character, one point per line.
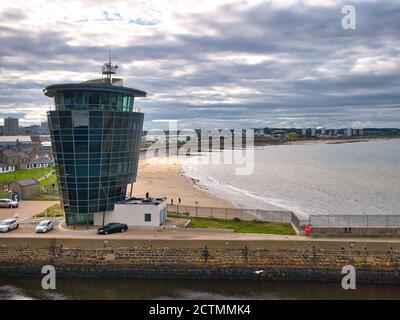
356	232
377	262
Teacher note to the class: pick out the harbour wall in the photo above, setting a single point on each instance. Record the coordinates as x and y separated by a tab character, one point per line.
355	232
374	261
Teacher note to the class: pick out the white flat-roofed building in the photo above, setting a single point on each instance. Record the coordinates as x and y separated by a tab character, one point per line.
136	212
11	141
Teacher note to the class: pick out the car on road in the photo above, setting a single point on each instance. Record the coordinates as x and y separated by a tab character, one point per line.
112	228
44	226
8	225
8	203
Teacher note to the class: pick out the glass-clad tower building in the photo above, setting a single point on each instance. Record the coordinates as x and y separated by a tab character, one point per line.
95	133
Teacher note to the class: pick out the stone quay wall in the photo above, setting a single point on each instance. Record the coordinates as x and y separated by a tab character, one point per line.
375	261
355	232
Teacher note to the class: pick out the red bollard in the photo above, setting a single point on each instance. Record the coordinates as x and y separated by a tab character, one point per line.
307	230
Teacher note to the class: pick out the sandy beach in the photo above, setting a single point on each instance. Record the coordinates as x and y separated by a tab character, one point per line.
162	176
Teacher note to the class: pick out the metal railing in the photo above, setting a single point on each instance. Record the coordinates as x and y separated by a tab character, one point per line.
299	222
355	220
334	221
231	213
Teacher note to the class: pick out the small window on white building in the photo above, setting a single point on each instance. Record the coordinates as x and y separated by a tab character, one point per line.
147	217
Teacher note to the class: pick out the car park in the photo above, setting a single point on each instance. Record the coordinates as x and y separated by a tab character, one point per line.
44	226
8	203
8	225
112	228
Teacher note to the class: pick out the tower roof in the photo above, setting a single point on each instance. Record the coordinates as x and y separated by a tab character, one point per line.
52	90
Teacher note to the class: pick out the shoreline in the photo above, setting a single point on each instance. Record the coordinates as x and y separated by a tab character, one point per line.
163	177
338	141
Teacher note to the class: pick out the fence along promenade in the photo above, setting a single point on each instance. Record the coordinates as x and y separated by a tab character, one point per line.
231	213
356	221
334	221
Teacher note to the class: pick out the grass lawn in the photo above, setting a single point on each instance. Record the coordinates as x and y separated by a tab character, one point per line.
23	174
45	184
239	226
3	195
49	180
53	211
45	197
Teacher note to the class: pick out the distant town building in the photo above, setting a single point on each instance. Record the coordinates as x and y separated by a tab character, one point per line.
35	129
11	127
259	132
26	189
11	141
278	134
304	132
44	128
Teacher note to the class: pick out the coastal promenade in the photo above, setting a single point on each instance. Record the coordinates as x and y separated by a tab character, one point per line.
181	234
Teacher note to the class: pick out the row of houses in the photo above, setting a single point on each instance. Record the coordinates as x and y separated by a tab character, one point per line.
26	154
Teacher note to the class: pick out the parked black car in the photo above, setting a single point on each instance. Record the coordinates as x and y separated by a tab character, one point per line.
112	228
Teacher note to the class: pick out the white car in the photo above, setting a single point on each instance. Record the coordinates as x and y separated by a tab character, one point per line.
8	225
45	226
8	203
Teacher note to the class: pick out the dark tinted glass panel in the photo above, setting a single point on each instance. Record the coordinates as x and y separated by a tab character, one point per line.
108	122
81	147
69	100
65	123
68	147
93	98
96	122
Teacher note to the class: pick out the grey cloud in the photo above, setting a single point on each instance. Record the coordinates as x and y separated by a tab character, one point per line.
290	89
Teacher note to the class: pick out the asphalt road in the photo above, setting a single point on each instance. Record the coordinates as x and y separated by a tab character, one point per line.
26	209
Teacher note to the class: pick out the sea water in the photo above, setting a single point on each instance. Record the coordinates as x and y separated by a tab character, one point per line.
319	178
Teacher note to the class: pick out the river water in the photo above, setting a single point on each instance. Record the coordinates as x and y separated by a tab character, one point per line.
29	288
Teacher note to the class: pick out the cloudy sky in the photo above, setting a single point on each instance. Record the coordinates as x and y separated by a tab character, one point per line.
209	63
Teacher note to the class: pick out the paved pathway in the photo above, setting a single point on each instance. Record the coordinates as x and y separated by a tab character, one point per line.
140	234
46	175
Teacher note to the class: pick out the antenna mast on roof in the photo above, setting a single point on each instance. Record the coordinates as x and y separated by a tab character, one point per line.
109	69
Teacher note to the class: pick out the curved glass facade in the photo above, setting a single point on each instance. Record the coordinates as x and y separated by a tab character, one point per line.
96	150
93	100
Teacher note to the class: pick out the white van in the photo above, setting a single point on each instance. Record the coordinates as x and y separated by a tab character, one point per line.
8	203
